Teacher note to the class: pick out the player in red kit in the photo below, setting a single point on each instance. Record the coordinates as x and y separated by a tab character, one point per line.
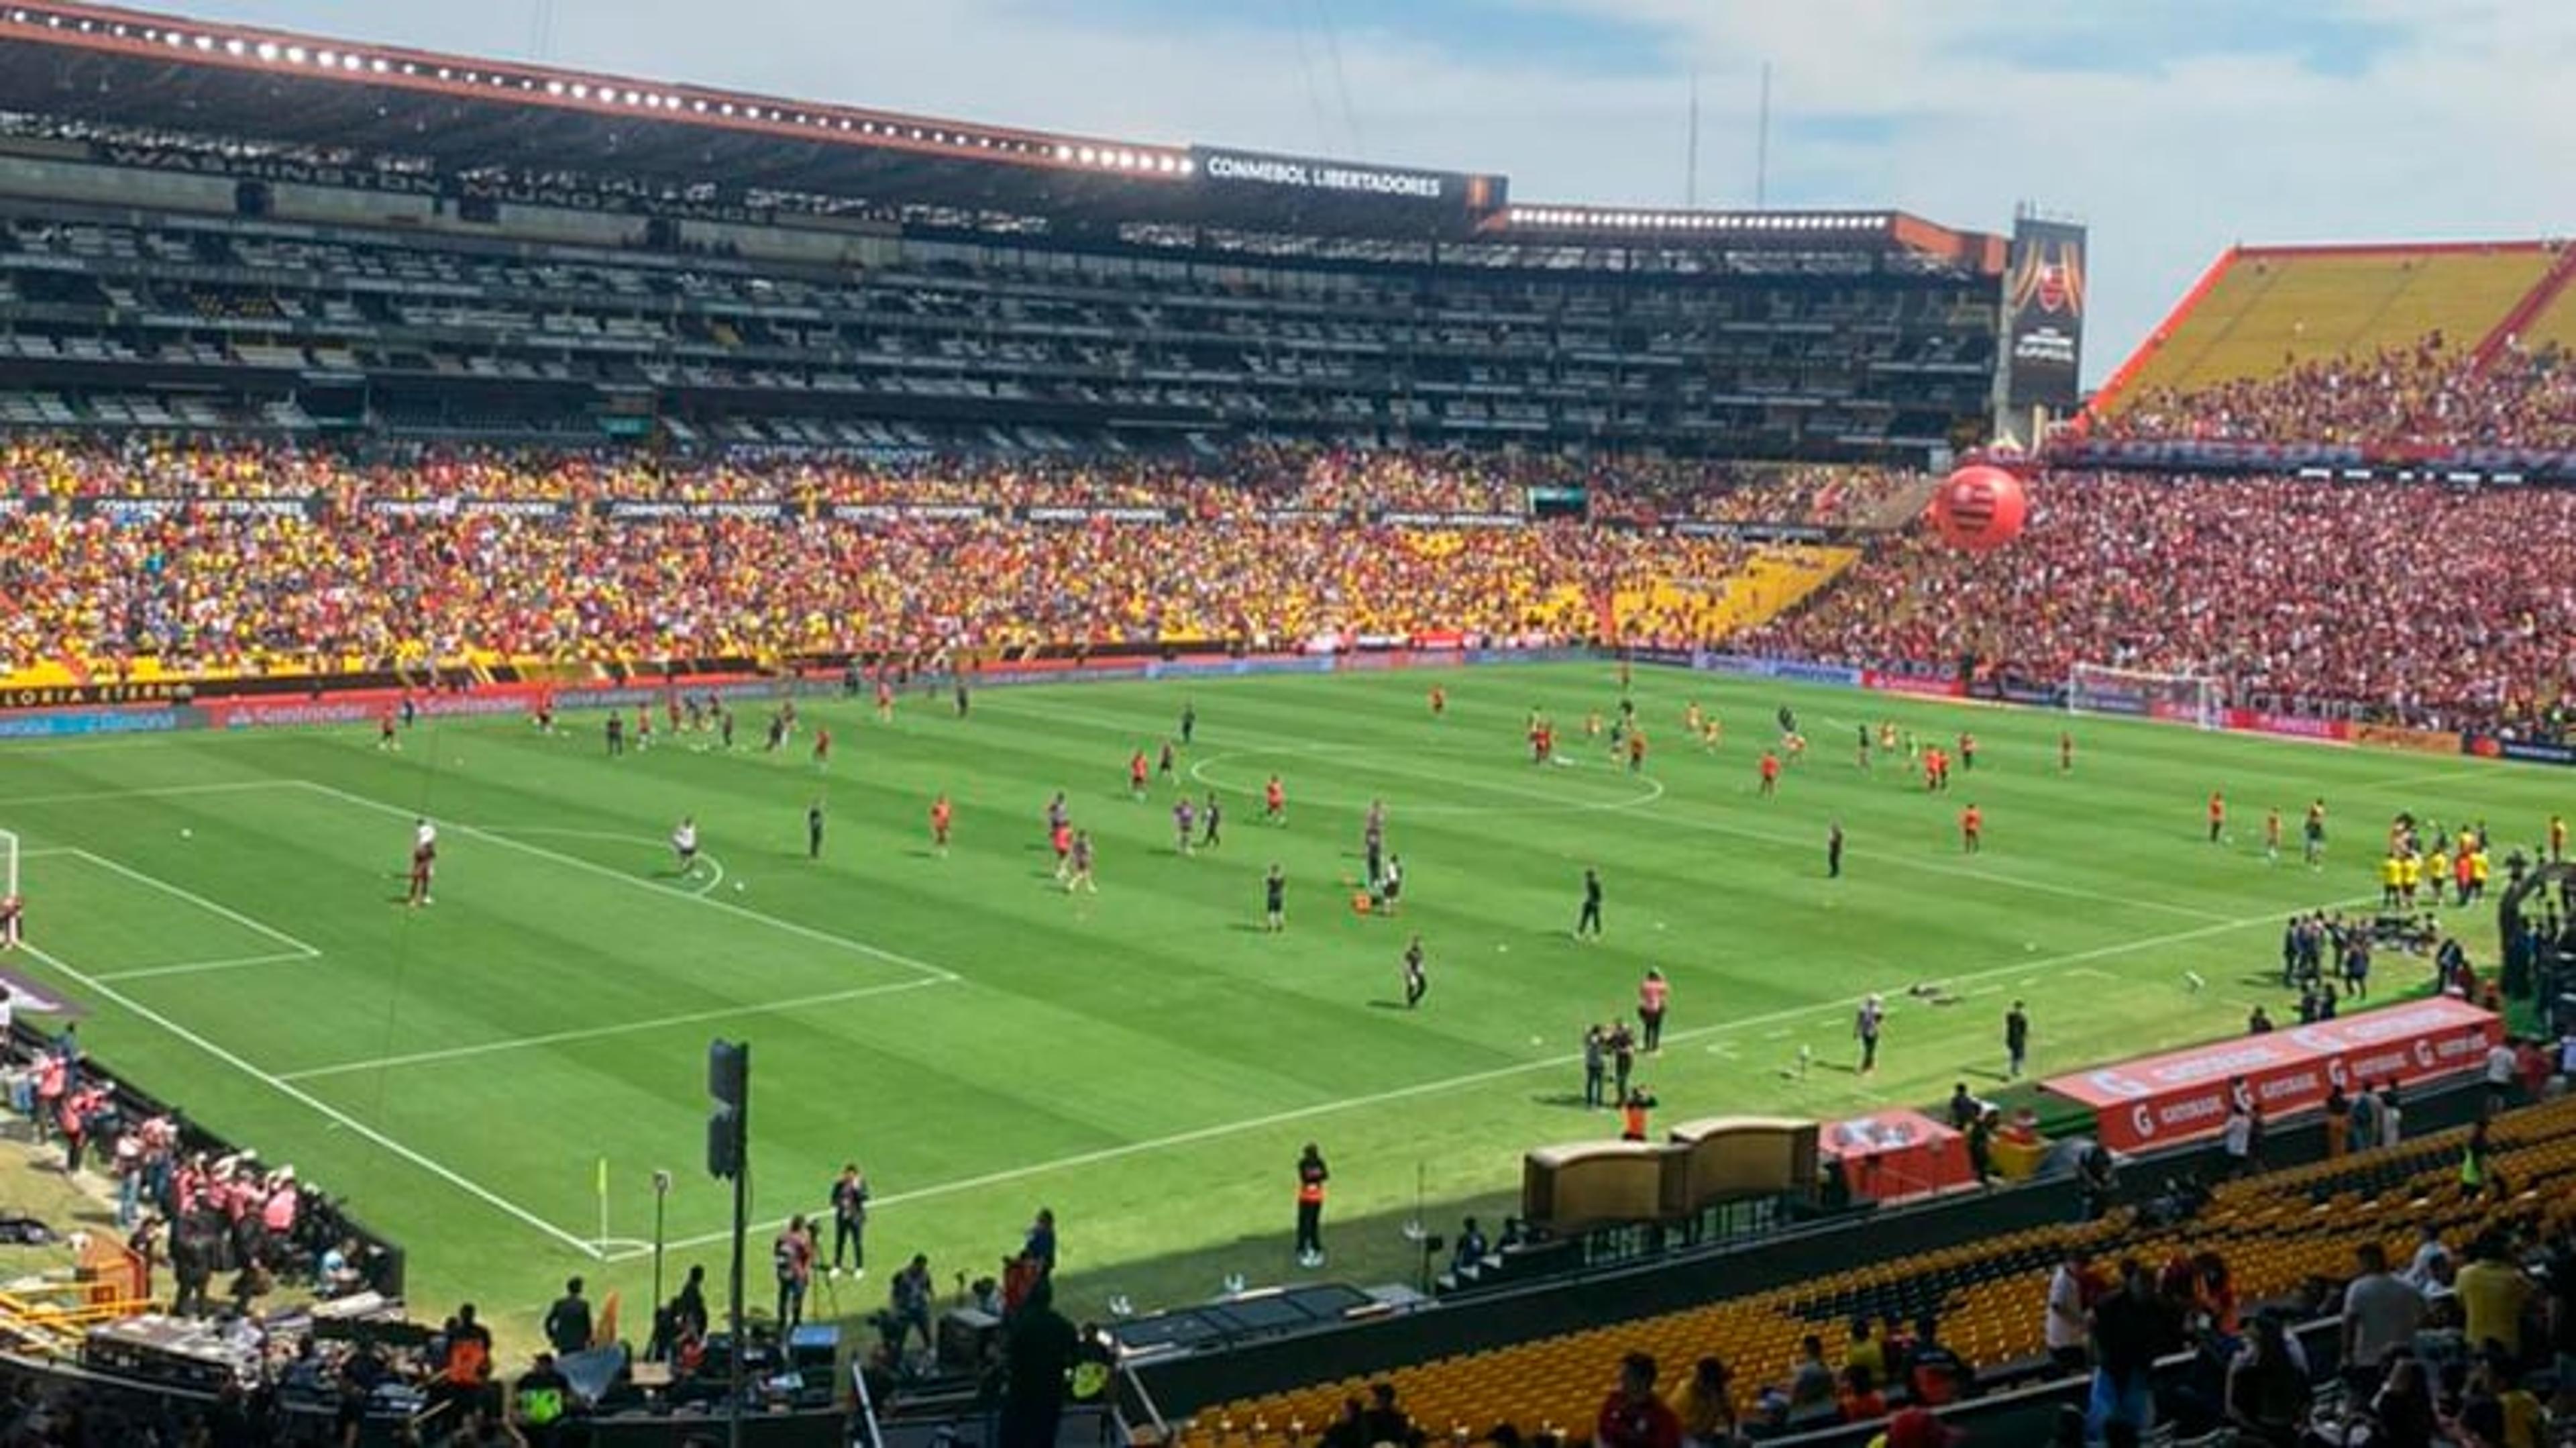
822	746
2217	815
424	862
885	700
1439	702
1972	825
941	813
643	727
13	913
1136	774
1770	769
385	730
2065	752
671	711
1274	801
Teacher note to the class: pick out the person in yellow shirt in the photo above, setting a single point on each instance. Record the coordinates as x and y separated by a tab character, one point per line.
2493	1293
2392	878
2478	874
2410	876
2436	871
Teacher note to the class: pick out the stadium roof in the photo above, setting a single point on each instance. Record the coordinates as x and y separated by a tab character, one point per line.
136	68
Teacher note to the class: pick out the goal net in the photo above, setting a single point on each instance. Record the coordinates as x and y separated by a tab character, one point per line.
2140	694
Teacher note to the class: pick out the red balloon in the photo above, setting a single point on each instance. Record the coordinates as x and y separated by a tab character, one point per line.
1980	508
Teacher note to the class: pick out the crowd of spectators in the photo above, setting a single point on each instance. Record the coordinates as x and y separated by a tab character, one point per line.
1269	547
290	593
1813	496
2419	604
1252	478
2432	394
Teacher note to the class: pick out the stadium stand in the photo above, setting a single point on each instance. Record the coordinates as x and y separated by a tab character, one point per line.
2312	598
2279	1237
2262	310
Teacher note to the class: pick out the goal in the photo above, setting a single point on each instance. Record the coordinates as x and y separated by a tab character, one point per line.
2140	694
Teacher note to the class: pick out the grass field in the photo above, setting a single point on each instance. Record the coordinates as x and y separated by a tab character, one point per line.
1146	1061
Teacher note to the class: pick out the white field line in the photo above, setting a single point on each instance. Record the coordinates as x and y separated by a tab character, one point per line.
329	1112
201	967
47	851
201	902
807	932
148	792
1710	826
607	1032
2462	772
715	867
1221	1130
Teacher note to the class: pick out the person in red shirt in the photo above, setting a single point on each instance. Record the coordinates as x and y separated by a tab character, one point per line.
1274	801
1770	773
885	701
424	862
941	814
385	730
1439	701
822	747
1136	774
2217	815
1972	824
643	727
1934	767
1632	1416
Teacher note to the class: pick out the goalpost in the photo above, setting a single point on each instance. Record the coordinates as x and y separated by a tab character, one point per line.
8	863
2143	694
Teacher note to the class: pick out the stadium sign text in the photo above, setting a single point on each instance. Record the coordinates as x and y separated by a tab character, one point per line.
1322	176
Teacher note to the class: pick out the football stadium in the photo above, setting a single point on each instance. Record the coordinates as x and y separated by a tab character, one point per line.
678	766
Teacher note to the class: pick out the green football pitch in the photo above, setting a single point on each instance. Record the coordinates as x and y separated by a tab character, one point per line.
1145	1060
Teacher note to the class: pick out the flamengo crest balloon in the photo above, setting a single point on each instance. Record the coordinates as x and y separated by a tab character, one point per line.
1980	508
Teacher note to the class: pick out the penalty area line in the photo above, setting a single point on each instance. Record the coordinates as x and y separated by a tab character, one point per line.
575	862
326	1110
309	952
202	967
607	1032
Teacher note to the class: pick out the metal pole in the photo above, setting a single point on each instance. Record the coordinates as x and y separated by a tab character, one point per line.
661	1194
1762	144
741	1219
1690	163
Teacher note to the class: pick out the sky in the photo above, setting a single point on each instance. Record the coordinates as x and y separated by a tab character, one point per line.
2174	128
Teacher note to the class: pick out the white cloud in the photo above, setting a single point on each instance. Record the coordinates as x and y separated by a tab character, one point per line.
2461	128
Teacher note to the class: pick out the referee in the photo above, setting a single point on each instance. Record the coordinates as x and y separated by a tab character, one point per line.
1589	922
814	830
